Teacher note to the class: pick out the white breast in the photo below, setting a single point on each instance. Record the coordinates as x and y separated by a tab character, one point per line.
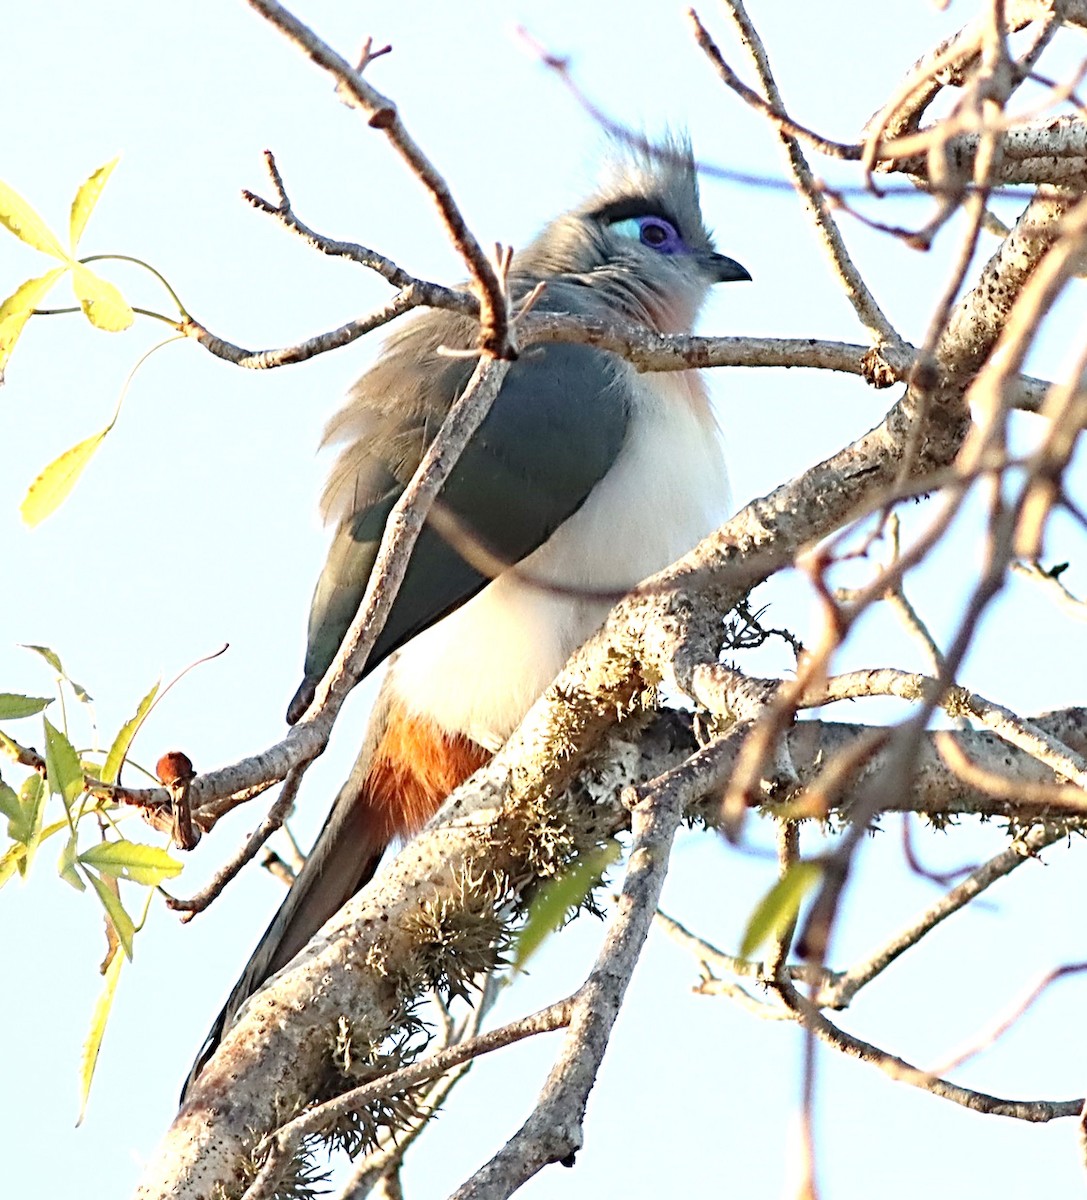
478	671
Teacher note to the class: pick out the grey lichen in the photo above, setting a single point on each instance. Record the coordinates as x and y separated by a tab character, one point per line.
458	937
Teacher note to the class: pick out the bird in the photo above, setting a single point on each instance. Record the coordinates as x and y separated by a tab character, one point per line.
585	477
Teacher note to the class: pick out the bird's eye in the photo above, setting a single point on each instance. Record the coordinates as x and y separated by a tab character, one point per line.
655	232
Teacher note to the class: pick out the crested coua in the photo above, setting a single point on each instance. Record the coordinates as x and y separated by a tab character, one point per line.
585	477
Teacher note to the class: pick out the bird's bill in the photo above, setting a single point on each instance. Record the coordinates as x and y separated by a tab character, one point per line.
723	269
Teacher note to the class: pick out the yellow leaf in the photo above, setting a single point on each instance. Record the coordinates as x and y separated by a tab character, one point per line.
49	490
98	1027
102	303
27	296
85	200
25	223
18	307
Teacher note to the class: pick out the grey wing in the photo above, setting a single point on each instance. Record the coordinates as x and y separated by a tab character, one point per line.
553	433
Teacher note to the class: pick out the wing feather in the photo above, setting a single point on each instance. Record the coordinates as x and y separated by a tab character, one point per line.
553	433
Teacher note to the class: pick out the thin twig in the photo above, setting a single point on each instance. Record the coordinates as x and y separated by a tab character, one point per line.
553	1132
273	820
283	1144
383	115
1004	1023
1066	797
864	304
898	1069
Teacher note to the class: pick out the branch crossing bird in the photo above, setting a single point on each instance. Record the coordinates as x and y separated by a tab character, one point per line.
586	476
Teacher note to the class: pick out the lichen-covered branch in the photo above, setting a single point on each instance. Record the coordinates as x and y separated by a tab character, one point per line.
443	909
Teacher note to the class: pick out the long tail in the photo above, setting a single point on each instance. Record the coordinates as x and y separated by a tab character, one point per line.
406	768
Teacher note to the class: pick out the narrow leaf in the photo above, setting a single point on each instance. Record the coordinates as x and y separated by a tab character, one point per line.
12	862
53	659
29	293
131	860
85	200
32	796
98	1027
115	911
14	705
50	656
25	223
778	908
557	898
52	486
10	806
62	767
19	307
117	752
66	867
102	303
17	858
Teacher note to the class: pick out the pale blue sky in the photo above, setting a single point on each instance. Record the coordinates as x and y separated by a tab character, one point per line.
196	525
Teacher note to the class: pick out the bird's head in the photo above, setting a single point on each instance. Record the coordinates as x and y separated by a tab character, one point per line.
639	241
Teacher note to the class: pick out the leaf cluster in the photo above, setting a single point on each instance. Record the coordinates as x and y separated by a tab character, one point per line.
93	852
100	301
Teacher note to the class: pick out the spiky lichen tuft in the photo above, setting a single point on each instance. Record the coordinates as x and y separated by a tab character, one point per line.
303	1177
358	1060
548	833
376	958
360	1131
460	936
306	1174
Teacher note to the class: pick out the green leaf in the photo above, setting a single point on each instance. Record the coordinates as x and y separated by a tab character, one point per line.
102	303
53	659
13	705
51	488
9	803
32	796
778	908
19	307
556	899
131	860
12	861
117	752
66	867
12	808
25	223
17	857
50	656
62	767
115	911
98	1027
85	200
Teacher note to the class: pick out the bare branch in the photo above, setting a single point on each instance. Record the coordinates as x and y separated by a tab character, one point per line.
838	991
903	1072
286	1141
383	115
1003	1024
850	151
274	819
261	360
864	303
553	1132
